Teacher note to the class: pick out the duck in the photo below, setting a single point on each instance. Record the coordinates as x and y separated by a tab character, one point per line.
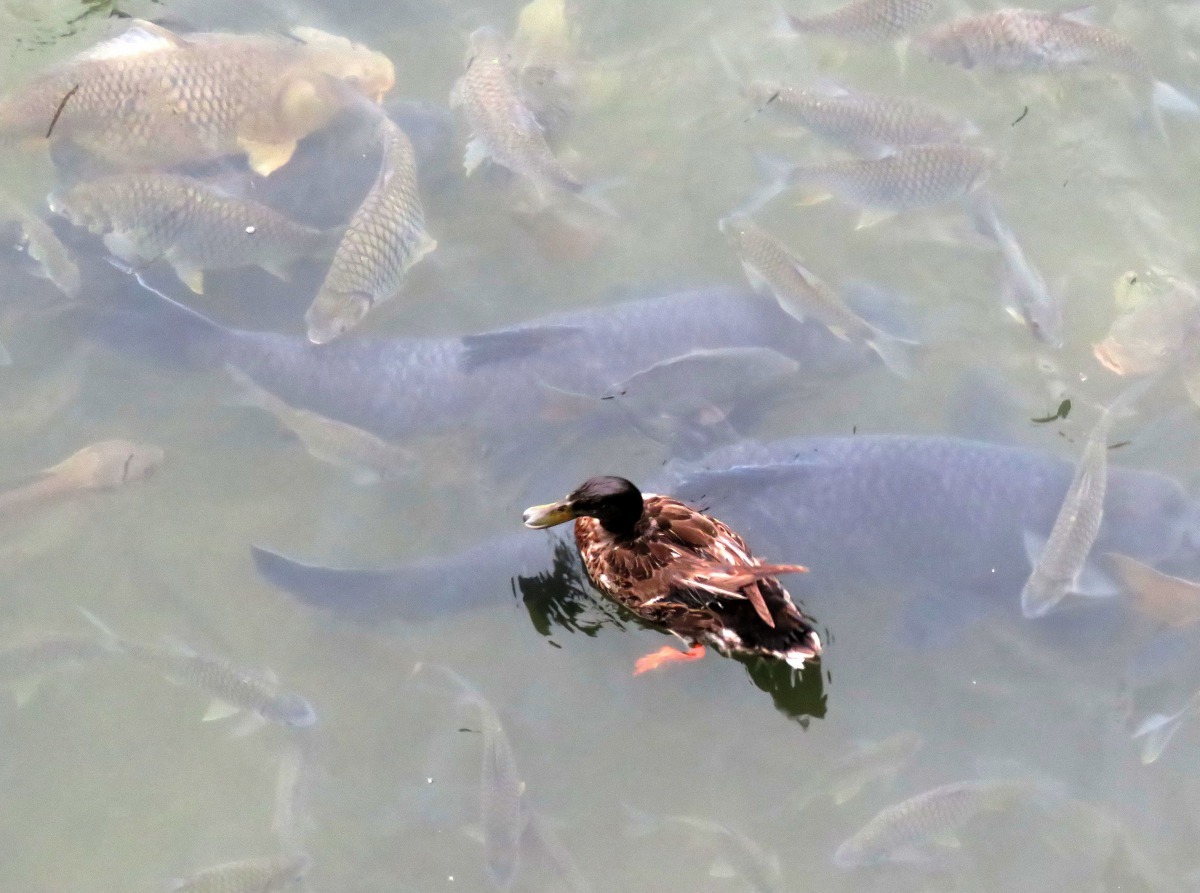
683	571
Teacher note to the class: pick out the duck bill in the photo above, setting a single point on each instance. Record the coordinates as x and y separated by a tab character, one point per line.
539	516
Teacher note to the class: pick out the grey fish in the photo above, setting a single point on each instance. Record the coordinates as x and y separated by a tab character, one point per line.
499	381
331	441
921	532
104	465
735	853
44	247
383	240
771	268
149	216
501	806
24	664
291	818
234	690
866	763
900	832
1160	316
866	21
864	123
266	874
1031	40
504	129
1061	559
1025	292
149	97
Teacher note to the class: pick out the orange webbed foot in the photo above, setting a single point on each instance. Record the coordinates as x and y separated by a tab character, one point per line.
666	655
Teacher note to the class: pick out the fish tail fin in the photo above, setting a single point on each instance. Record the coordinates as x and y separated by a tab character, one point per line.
1171	99
148	322
1156	732
775	174
109	639
896	353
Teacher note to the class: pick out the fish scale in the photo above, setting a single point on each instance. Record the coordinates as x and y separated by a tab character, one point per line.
867	21
384	239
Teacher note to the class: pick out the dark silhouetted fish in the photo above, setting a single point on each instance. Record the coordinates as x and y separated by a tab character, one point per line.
935	516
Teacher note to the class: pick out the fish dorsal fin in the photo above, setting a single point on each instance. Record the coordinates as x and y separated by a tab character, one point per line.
512	344
139	39
1082	15
218	710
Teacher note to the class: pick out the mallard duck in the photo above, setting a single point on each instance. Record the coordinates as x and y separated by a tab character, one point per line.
679	569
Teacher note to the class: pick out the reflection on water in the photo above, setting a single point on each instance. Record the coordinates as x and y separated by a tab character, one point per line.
582	313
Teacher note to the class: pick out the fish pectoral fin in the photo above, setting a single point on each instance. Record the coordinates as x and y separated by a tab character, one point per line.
192	277
1094	583
721	868
1035	545
870	218
814	198
265	158
122	245
218	710
247	725
475	154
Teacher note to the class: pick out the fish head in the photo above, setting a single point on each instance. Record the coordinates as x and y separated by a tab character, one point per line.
736	229
108	464
291	710
368	72
334	312
487	42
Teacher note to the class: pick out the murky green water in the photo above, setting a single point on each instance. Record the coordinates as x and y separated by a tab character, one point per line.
111	781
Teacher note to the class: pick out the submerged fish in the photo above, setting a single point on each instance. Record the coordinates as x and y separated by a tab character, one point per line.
501	805
266	874
24	664
383	240
864	123
868	762
234	690
921	533
150	97
902	831
504	129
331	441
545	55
771	268
908	178
866	21
1032	40
148	216
542	843
1061	559
1160	318
500	382
1162	597
104	465
291	819
44	247
1025	292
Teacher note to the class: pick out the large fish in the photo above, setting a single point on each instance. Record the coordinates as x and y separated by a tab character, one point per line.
149	97
194	227
1032	40
384	238
935	516
866	21
506	382
504	128
772	268
864	123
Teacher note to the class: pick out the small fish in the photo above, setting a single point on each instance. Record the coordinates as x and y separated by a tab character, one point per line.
867	124
43	246
149	97
504	128
866	21
1031	41
24	664
771	268
383	240
1025	291
1061	560
331	441
901	832
1170	600
291	819
235	690
266	874
148	216
869	762
908	178
1160	318
735	854
104	465
502	810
